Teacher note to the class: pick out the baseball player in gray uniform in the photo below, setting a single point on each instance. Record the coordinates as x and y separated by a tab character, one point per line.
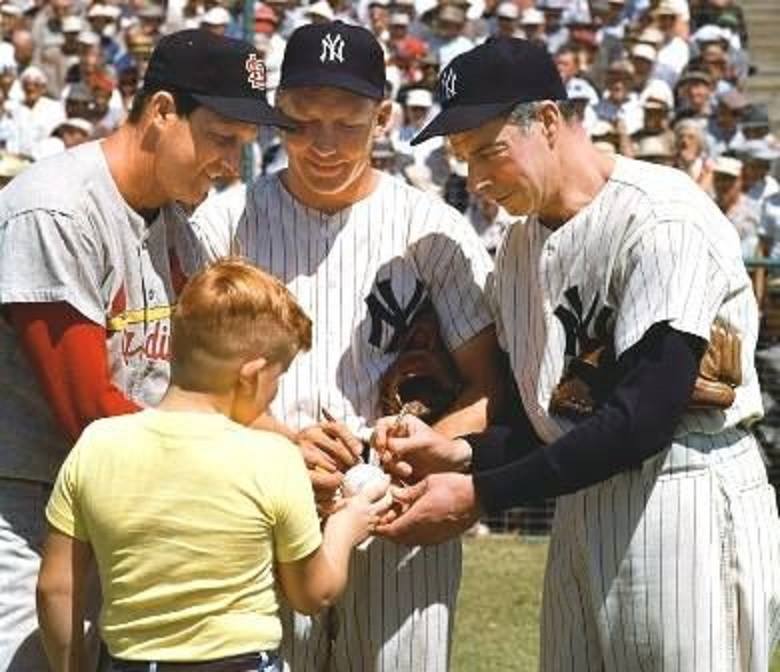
94	251
630	324
364	253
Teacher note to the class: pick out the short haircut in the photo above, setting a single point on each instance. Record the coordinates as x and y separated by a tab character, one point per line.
184	102
228	314
523	114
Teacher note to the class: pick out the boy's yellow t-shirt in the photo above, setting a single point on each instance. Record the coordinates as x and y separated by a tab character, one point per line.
185	513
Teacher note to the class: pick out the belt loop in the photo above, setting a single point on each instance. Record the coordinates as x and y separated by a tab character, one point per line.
153	666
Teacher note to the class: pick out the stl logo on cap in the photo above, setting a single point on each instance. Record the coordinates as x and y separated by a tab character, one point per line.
256	69
448	80
332	48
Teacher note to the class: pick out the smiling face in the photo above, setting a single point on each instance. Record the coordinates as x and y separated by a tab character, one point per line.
330	150
192	152
507	164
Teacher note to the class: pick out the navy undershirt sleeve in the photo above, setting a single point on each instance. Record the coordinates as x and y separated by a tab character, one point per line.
655	379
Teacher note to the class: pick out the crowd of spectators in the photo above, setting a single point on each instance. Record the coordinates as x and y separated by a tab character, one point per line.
659	80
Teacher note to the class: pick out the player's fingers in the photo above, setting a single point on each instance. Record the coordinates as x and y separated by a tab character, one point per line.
337	450
398	469
340	432
314	458
399	447
379	437
409	494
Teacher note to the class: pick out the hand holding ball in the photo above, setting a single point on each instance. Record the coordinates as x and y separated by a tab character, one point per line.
359	476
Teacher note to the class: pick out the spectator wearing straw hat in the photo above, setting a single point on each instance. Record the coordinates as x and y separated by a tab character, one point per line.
674	52
757	157
448	40
620	104
740	210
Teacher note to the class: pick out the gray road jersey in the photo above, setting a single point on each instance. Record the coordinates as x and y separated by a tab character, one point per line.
67	235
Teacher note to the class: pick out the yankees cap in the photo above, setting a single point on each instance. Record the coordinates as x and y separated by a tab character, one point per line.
223	74
488	81
334	54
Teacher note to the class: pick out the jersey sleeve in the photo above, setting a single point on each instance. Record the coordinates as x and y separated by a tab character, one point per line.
64	508
297	531
215	228
670	274
53	257
454	265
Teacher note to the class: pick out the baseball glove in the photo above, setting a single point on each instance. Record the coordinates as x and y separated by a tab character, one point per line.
589	377
720	370
424	377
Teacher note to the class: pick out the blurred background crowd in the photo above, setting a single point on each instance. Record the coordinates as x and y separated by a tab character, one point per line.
659	80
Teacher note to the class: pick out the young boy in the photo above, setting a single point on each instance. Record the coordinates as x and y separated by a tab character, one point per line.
188	512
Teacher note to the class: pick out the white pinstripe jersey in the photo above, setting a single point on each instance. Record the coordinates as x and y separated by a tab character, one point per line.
651	247
362	274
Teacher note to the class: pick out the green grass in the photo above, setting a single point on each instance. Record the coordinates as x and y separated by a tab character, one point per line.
497	623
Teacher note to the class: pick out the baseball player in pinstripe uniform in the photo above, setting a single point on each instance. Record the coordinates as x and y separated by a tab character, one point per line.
363	253
630	325
94	252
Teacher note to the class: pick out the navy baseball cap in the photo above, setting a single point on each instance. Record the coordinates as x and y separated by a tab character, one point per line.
334	54
488	81
223	74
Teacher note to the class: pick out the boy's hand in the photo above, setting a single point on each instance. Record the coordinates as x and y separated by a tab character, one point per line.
363	511
338	448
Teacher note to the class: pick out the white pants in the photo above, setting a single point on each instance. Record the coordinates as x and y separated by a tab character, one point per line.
395	616
673	567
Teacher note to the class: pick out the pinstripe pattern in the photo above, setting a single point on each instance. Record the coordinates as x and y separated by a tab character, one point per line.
396	614
675	566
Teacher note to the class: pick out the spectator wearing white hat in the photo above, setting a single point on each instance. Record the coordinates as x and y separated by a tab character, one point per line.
36	116
741	211
47	35
216	20
103	20
427	161
657	101
643	58
68	133
319	12
620	105
555	33
532	24
585	98
507	20
448	40
674	52
757	157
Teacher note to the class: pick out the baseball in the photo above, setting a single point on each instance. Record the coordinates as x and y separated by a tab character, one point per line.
359	476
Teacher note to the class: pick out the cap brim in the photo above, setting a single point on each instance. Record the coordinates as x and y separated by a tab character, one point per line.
250	110
462	118
338	80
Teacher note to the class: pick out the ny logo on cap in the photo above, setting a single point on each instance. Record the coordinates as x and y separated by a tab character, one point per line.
448	80
256	72
332	48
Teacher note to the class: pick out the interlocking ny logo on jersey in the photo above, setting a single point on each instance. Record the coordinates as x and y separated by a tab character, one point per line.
577	324
389	312
256	72
448	80
332	48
